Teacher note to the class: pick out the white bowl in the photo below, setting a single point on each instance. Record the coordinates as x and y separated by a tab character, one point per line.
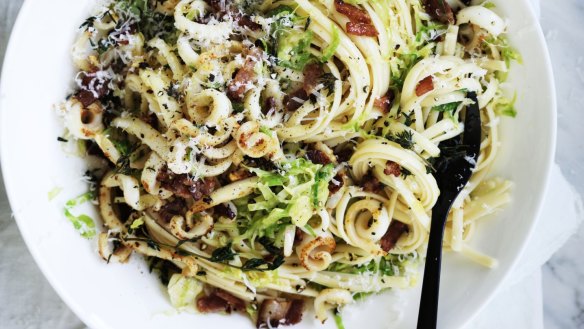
38	73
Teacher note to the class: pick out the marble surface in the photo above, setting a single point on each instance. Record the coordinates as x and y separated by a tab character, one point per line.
34	304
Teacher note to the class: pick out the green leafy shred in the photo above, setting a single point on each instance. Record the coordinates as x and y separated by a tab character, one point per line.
288	196
388	265
338	320
82	223
54	192
506	106
330	50
183	290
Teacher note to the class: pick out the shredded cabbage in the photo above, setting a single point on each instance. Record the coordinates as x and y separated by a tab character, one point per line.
183	290
82	223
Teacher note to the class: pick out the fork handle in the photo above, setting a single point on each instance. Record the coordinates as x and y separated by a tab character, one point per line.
428	313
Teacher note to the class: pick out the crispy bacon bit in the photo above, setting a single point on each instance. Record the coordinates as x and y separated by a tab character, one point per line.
85	97
425	86
92	88
224	210
244	77
336	183
359	20
220	301
173	208
269	106
298	236
318	156
394	232
385	102
353	13
184	186
296	99
392	168
371	184
361	29
245	21
312	73
280	312
439	10
344	154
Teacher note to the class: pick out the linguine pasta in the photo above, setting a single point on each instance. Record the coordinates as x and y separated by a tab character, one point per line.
263	154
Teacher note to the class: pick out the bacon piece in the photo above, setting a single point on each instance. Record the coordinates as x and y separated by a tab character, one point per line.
312	73
220	301
224	210
318	156
344	154
353	13
385	102
173	208
439	10
184	186
244	77
371	184
270	106
280	312
296	99
425	86
336	183
245	21
394	232
92	88
392	168
361	29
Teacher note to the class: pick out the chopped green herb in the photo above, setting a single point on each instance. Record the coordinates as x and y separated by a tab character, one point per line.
448	107
82	223
223	254
330	50
405	139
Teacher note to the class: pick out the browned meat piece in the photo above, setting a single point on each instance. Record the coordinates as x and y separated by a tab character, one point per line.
353	13
336	183
244	77
425	86
224	210
385	102
392	168
220	301
185	186
176	207
344	153
371	184
394	232
92	88
318	156
270	106
280	312
312	73
439	10
296	99
246	21
361	29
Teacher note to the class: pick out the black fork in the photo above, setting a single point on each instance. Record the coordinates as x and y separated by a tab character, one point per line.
452	174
